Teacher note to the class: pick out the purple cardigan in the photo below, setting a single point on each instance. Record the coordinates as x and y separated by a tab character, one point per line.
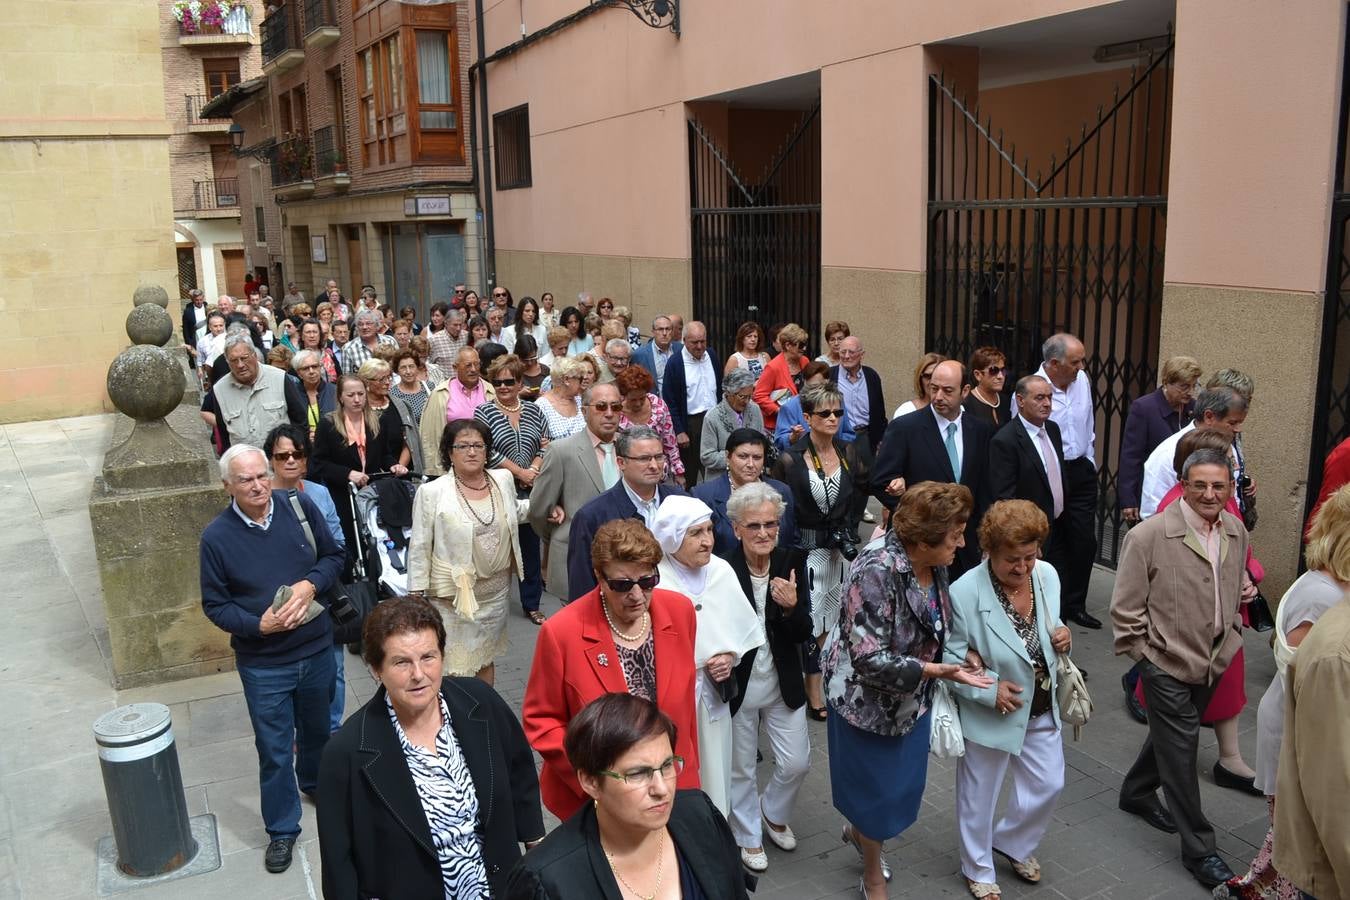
1151	421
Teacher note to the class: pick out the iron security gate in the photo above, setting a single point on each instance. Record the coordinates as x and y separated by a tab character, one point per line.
756	246
1014	258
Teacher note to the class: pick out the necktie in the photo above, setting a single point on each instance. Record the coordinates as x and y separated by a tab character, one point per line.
1052	472
951	452
609	472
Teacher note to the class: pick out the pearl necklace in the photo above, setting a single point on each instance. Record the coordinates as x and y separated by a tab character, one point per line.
632	639
502	406
660	861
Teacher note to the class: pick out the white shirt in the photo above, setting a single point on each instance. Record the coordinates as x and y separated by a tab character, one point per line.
1159	473
1072	411
700	383
904	409
1034	432
942	433
645	508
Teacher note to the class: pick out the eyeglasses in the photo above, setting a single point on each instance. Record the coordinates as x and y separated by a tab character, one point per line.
497	294
996	370
469	448
1205	487
605	407
288	455
758	527
641	777
828	413
644	460
624	585
503	382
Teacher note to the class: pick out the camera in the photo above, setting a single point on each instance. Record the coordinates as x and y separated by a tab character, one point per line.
845	541
341	609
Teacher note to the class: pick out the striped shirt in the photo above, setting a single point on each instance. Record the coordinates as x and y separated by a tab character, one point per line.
520	446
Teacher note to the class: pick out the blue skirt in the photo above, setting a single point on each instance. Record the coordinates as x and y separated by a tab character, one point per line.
877	781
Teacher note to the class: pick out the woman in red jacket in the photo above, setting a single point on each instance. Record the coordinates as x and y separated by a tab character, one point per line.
782	377
626	636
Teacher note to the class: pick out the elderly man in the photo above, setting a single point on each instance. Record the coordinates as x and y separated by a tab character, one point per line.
225	304
1064	361
861	387
460	291
617	356
264	562
467	390
656	353
1026	462
692	386
252	399
292	296
585	304
1174	610
368	337
194	320
676	327
1218	409
497	332
746	451
635	495
446	343
576	469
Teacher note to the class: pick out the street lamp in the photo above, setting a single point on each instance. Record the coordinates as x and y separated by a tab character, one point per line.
657	13
261	153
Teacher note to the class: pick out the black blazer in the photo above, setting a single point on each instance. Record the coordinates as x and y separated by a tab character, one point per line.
189	324
570	864
878	417
1015	469
374	839
786	630
612	504
793	469
334	458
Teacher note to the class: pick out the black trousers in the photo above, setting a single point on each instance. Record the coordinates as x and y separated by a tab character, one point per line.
1167	759
1080	533
690	454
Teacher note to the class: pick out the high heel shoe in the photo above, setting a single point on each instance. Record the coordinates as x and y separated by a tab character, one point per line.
847	837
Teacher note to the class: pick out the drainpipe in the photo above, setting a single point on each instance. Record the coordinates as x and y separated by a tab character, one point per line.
490	257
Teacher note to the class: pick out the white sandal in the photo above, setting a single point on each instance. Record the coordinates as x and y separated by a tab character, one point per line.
983	890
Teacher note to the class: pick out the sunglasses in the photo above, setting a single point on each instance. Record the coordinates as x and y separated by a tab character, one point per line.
624	585
606	407
288	455
503	382
828	413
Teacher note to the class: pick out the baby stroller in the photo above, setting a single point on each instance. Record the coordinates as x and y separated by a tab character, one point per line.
382	514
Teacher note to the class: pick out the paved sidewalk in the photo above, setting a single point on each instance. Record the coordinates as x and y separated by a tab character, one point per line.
54	683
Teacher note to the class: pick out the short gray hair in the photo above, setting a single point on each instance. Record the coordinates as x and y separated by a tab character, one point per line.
612	343
816	394
302	356
658	319
1056	346
369	315
627	437
234	452
738	379
1220	400
1207	457
1237	380
590	391
752	496
455	314
1024	384
241	337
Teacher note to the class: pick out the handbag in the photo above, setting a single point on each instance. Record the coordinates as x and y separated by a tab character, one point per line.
1075	704
945	739
1258	613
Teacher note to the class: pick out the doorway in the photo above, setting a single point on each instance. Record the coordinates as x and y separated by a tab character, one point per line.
233	261
355	259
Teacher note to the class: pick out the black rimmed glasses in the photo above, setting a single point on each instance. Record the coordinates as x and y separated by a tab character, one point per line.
644	775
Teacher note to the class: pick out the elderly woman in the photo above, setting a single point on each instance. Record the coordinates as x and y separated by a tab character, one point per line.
769	688
828	480
519	436
320	395
986	401
633	333
639	831
923	373
625	636
1317	590
556	340
733	411
1152	419
880	665
1005	614
402	330
727	629
465	548
311	338
429	789
409	388
397	416
561	403
428	372
835	332
641	406
782	376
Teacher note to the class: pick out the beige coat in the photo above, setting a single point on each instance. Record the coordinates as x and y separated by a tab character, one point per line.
1312	815
1162	607
569	478
442	530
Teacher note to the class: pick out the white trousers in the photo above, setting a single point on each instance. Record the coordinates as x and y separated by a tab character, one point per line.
714	755
1037	779
791	748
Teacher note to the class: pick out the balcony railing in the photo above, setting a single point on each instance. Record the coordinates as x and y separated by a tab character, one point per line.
329	157
216	193
319	14
292	162
194	104
280	38
217	20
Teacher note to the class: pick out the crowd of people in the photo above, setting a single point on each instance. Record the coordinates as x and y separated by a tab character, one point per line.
699	517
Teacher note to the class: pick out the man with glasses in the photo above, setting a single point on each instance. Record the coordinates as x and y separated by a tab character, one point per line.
746	450
368	337
656	353
501	299
283	651
636	493
691	387
1174	610
252	399
618	355
863	398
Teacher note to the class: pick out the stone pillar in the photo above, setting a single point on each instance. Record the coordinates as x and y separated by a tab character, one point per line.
157	492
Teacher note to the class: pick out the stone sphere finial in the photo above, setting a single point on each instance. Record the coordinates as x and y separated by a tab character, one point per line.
149	324
151	293
146	382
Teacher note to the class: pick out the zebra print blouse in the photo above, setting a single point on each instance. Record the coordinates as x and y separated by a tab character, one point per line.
445	787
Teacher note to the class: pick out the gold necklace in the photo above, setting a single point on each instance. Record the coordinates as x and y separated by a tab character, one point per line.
660	862
632	639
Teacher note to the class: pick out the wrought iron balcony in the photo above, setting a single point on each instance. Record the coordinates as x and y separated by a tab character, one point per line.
281	47
216	193
193	104
321	23
293	167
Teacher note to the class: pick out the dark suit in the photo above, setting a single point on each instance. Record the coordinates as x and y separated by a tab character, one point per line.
608	506
645	356
674	390
189	324
1151	421
1017	473
571	863
717	492
373	835
878	417
786	630
914	449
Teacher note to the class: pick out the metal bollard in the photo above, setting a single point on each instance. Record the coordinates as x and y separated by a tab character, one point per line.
144	788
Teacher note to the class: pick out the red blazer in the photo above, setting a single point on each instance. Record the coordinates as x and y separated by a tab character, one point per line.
568	672
776	377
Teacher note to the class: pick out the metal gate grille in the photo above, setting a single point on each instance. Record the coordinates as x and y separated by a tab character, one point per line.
187	271
756	246
1014	258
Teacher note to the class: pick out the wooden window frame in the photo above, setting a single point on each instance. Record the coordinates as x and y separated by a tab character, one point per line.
212	66
516	118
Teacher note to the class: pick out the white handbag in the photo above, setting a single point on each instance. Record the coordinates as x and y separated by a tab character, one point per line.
945	739
1075	705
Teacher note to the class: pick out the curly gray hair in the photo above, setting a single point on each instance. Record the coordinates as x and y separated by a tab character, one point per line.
753	496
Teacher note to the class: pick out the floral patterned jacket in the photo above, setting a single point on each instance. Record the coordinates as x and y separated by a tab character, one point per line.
888	628
661	422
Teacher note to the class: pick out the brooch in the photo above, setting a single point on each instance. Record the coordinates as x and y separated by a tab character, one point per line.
602	659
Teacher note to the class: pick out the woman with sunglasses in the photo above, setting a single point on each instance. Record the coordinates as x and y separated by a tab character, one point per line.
625	636
646	838
986	400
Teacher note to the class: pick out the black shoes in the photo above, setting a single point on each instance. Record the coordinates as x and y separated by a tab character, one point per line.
1084	618
1210	871
1226	779
277	859
1132	704
1156	816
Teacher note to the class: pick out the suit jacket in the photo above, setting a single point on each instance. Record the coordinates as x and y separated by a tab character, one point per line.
645	356
612	504
1162	606
878	415
913	449
569	477
717	491
189	324
571	863
979	623
373	834
786	630
673	390
1016	471
1151	421
575	661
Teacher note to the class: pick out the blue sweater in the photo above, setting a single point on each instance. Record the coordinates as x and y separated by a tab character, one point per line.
242	567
